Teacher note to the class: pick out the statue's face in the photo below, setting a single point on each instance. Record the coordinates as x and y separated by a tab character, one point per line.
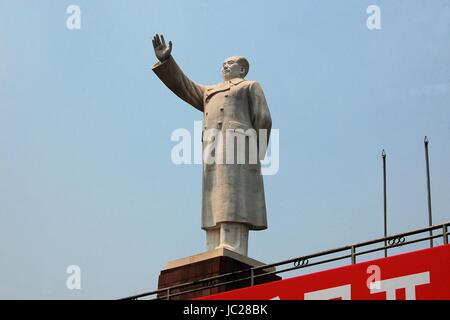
231	69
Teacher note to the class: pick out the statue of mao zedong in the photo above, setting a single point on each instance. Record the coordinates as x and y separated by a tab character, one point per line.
235	135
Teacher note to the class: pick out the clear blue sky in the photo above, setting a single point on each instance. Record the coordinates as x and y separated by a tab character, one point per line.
85	171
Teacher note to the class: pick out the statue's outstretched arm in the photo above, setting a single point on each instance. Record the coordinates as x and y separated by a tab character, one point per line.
173	77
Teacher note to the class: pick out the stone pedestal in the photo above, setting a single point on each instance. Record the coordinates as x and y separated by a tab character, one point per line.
209	264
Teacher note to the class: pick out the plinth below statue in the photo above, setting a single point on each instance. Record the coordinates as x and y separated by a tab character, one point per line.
221	261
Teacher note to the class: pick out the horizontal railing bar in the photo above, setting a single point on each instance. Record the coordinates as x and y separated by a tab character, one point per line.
405	234
350	246
308	265
398	245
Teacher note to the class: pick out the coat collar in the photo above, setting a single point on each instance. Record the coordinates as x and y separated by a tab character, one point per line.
236	81
224	86
218	88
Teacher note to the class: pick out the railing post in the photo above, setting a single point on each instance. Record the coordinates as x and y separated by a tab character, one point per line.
168	294
383	155
353	255
445	234
252	275
427	162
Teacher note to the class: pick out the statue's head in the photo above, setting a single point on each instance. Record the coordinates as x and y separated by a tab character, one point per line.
235	67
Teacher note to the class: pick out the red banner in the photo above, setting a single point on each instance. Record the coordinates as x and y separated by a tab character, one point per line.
418	275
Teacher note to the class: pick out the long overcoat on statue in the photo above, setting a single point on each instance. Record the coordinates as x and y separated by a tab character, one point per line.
231	192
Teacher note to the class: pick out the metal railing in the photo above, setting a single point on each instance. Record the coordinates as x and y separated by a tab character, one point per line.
348	252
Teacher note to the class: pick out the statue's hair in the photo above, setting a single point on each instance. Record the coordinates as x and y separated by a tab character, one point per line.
244	63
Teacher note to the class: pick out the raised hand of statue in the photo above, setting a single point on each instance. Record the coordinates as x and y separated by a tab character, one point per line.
162	51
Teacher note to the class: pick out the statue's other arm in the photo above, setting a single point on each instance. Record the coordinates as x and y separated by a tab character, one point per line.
260	115
170	73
